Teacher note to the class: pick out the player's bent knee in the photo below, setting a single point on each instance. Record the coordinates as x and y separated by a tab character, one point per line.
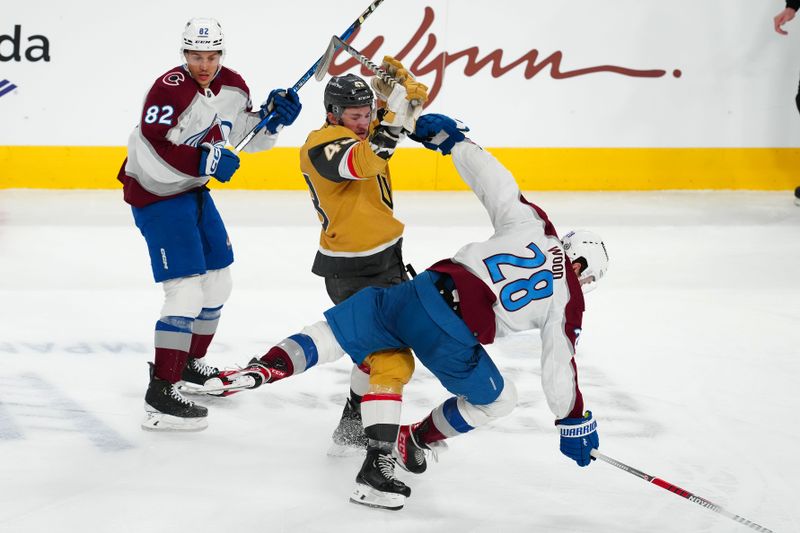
390	370
507	401
328	348
217	287
504	403
183	297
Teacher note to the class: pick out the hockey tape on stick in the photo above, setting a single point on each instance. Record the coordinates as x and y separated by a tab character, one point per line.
679	491
310	72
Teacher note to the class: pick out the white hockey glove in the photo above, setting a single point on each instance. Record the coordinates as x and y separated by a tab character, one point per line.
404	105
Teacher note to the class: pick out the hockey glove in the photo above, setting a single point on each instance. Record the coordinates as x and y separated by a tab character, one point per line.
579	438
218	161
285	104
439	132
404	105
394	69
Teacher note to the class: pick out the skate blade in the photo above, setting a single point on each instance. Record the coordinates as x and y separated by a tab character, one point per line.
163	422
214	387
343	450
366	495
187	387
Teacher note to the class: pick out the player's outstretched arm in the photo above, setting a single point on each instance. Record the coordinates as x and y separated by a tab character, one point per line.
491	182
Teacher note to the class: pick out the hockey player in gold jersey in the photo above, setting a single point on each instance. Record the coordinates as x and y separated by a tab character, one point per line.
345	164
347	172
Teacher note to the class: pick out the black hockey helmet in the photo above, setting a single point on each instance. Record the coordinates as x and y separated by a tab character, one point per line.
346	91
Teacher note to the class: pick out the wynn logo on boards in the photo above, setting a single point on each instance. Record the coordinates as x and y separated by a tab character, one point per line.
425	63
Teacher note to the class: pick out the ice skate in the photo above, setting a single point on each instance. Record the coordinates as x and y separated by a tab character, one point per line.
411	453
168	410
196	376
348	438
228	382
376	485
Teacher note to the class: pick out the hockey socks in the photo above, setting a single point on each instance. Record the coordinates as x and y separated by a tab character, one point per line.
296	354
173	338
203	330
380	413
444	421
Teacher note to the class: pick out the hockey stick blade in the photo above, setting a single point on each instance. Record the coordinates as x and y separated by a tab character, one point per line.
310	72
680	492
325	61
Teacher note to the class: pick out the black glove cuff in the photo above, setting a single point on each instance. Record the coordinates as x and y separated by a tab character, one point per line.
384	140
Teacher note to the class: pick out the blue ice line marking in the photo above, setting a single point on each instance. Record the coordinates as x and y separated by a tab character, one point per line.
84	422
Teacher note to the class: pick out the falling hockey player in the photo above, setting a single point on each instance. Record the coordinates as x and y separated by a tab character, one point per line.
523	277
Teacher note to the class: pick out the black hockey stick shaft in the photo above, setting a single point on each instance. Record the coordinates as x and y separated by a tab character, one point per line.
310	72
680	492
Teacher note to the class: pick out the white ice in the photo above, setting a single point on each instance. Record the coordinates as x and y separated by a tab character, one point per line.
690	360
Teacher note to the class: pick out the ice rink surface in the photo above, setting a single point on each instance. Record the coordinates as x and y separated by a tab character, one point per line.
689	358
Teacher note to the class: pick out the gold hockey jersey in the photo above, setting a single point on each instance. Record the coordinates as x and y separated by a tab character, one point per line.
351	190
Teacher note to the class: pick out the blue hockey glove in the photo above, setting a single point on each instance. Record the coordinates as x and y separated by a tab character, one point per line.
438	132
218	161
579	438
285	104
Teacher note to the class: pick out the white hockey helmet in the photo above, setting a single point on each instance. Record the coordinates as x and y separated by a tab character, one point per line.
203	35
588	249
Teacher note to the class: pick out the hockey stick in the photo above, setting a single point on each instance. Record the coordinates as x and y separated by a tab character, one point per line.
679	491
336	43
310	72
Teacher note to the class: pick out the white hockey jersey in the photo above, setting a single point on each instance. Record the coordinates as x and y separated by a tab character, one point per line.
177	117
524	266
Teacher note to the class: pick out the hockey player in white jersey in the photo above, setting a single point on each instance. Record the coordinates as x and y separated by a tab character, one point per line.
190	114
524	277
